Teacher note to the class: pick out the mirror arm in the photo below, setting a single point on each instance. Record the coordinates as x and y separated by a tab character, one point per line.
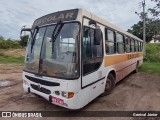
21	37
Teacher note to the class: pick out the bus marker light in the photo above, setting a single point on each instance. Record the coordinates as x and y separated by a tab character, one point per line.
57	92
70	94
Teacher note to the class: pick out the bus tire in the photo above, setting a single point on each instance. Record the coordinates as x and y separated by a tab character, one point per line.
136	70
109	86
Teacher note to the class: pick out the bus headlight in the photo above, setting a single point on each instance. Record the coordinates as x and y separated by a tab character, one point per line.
67	94
57	92
64	94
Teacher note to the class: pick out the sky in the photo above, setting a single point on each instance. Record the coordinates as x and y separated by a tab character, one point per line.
16	13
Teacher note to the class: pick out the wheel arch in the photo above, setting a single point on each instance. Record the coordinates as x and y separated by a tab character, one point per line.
137	63
113	72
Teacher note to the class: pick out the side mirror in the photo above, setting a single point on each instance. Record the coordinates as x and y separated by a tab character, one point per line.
24	35
97	36
92	22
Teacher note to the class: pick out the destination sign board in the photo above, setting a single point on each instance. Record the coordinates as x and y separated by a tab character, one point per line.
66	15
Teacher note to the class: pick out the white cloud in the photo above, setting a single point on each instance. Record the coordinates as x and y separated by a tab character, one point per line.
16	13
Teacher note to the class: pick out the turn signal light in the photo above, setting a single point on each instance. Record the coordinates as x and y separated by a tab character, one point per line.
70	94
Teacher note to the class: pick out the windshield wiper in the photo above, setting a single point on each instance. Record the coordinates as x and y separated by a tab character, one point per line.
56	32
36	29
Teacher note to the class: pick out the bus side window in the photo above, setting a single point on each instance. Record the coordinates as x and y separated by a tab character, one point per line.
136	46
139	46
110	41
127	44
120	43
92	54
87	53
132	45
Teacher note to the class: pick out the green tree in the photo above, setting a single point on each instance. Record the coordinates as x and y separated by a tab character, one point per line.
9	43
1	37
24	40
155	11
152	29
152	23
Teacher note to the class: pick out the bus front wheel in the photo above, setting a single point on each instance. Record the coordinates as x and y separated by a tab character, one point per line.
109	86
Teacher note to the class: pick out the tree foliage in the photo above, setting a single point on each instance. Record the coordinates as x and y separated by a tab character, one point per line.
9	43
153	52
24	40
152	28
152	23
155	11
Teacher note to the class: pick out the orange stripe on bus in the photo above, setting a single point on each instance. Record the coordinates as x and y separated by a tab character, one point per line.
115	59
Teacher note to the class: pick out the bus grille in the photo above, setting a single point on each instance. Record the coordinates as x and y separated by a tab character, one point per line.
42	82
41	89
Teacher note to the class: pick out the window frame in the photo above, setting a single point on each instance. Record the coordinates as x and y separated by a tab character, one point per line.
92	59
132	45
114	40
129	44
123	43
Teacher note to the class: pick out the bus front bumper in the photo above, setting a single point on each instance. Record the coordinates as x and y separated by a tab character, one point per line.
70	103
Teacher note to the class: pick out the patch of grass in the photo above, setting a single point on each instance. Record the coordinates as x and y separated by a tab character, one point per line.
4	59
152	52
150	67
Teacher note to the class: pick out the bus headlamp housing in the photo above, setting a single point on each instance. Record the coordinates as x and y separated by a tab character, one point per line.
25	82
64	94
57	92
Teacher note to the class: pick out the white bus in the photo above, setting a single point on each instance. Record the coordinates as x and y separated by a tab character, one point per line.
73	56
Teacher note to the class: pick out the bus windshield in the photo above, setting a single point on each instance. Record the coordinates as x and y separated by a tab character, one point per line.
55	58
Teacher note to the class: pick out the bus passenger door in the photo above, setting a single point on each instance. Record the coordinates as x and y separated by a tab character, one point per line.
92	59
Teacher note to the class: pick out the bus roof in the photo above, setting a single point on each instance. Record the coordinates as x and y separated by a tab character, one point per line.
105	23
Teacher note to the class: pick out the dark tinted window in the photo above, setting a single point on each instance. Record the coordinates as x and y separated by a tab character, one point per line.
87	49
92	54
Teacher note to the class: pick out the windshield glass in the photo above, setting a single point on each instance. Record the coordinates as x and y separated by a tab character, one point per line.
59	58
33	55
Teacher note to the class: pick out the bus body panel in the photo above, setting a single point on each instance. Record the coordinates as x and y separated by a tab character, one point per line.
122	64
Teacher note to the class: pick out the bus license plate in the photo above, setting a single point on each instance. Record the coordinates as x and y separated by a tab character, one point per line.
57	100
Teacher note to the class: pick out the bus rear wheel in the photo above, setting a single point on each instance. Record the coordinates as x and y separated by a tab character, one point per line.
137	65
109	86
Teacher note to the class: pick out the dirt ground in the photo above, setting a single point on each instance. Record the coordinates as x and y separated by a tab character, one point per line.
13	52
137	92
